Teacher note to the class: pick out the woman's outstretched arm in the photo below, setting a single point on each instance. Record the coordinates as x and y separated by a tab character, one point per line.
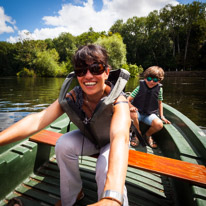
119	149
31	124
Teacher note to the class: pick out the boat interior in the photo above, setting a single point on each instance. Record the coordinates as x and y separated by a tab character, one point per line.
29	170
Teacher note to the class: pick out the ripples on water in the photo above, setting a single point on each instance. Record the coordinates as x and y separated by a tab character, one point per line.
187	94
22	96
21	107
13	112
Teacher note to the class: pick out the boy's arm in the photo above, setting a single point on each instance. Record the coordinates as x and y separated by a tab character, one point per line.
131	97
131	107
161	113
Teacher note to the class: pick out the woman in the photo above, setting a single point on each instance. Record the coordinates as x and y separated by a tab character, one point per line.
87	104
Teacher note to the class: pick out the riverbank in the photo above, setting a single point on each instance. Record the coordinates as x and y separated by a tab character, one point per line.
185	74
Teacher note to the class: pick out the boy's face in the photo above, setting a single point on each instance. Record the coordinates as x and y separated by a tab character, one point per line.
151	82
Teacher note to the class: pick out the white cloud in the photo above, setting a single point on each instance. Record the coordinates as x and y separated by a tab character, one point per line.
78	19
4	20
125	9
42	34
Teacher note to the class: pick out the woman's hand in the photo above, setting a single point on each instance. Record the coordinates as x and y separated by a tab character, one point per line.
106	202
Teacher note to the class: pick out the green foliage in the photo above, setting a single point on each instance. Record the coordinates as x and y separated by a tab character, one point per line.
134	36
64	69
88	37
117	27
26	52
116	49
26	73
65	46
173	38
8	65
133	69
46	63
69	66
61	70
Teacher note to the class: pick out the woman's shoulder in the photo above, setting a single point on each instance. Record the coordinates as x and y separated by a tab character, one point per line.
75	93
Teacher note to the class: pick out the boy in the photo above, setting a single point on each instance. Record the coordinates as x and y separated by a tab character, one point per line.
146	104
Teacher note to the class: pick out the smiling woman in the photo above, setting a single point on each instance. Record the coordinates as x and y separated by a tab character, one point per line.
93	106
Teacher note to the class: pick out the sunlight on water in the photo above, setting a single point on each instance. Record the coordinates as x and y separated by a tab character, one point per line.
22	96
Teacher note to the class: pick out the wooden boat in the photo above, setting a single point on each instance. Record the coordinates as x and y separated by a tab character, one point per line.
173	174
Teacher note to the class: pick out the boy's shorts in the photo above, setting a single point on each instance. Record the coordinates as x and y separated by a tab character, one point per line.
147	119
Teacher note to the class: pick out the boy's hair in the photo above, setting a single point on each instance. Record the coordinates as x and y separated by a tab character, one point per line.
89	53
154	71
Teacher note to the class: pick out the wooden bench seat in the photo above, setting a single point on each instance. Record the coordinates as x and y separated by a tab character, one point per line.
193	173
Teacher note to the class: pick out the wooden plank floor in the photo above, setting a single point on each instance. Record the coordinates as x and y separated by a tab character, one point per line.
42	188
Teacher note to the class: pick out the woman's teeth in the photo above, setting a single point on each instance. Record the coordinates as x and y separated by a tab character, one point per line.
89	83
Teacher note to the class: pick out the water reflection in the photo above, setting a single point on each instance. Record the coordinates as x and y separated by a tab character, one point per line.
21	96
187	94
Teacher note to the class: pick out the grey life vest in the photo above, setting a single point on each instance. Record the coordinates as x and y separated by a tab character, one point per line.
147	99
97	129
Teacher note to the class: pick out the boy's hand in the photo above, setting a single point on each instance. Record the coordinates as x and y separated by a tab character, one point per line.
165	120
133	109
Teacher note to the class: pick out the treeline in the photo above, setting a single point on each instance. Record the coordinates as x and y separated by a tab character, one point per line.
173	38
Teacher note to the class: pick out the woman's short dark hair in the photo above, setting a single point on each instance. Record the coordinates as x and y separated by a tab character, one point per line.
89	53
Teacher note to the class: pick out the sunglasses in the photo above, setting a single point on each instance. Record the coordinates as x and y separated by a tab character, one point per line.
94	69
155	79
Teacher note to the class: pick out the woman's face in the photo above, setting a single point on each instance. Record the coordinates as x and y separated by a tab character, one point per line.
93	84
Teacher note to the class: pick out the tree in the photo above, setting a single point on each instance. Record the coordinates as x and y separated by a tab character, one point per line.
133	69
116	50
202	56
172	38
172	21
88	37
49	43
158	42
65	46
8	66
117	27
46	63
133	33
185	25
26	52
194	13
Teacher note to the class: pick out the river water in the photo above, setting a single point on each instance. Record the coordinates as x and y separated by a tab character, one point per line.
22	96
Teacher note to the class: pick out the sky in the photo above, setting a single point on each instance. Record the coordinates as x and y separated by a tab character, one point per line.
42	19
